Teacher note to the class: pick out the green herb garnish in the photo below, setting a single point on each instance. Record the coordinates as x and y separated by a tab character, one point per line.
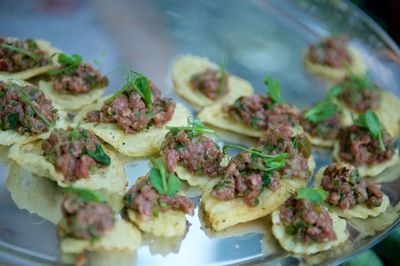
163	181
315	195
320	112
12	120
29	102
35	57
137	82
333	92
68	64
99	155
370	121
274	89
195	126
86	195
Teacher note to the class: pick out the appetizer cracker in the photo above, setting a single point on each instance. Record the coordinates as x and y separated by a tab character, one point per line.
190	70
351	195
24	59
134	119
323	232
93	167
89	224
252	115
73	84
27	114
331	59
154	205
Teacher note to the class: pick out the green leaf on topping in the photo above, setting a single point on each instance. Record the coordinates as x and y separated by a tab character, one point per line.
12	120
158	179
369	120
333	92
86	195
74	134
195	126
29	102
137	82
315	195
321	112
31	44
35	57
2	93
99	155
274	89
68	63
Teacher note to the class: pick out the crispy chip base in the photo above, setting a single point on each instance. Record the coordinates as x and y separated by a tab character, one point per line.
35	194
368	170
360	210
187	66
70	102
124	237
215	116
166	224
144	143
289	243
110	180
27	74
357	67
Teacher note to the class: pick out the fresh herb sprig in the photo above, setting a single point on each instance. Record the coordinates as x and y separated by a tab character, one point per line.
28	101
370	121
99	155
10	47
137	82
68	63
324	109
195	126
273	89
273	162
87	195
162	180
315	195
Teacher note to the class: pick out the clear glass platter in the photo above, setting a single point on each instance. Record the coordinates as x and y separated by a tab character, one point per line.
257	37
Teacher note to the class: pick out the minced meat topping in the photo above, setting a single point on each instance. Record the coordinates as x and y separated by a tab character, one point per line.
282	156
144	198
210	83
198	154
20	55
82	79
87	220
331	52
261	112
327	129
358	147
74	152
306	221
25	109
347	188
130	112
359	94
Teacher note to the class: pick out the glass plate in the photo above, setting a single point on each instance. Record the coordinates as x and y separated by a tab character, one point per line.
257	37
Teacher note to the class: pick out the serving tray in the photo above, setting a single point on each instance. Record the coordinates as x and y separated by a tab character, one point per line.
256	37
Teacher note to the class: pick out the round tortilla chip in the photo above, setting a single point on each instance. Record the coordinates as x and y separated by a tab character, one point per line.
188	65
333	74
141	144
70	102
30	73
124	237
289	243
360	210
35	194
368	170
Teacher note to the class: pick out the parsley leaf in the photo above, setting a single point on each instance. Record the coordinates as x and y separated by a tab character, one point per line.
321	112
68	63
12	120
315	195
86	195
35	57
333	92
274	89
370	121
195	126
29	102
158	179
99	155
137	82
